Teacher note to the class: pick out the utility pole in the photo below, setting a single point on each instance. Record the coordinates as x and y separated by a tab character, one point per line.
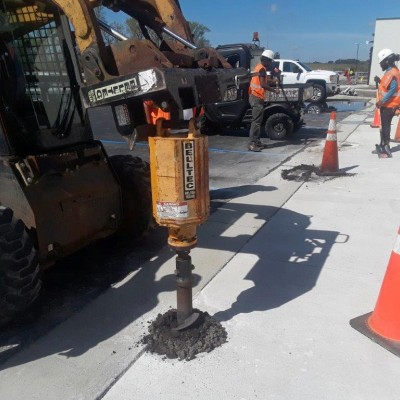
358	46
370	42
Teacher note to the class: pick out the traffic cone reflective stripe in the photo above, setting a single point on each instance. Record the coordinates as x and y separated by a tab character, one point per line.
383	324
332	123
385	319
330	159
397	135
331	137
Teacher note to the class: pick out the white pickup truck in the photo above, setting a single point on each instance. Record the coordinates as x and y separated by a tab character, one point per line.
325	83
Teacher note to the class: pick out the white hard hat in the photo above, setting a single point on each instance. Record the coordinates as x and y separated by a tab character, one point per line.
268	53
385	53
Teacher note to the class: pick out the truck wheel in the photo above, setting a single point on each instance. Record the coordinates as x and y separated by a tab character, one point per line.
319	93
298	125
19	268
209	128
134	177
278	126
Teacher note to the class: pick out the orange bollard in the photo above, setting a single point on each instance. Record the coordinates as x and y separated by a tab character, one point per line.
330	159
397	135
383	324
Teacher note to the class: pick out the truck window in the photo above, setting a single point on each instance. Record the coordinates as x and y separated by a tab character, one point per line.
290	67
305	66
234	60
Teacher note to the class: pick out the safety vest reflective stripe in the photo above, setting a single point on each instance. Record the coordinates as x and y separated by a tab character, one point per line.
255	87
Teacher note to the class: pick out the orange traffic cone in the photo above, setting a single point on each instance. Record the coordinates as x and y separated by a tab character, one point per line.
376	123
330	160
397	135
383	324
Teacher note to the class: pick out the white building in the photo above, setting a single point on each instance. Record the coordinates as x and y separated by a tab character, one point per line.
387	34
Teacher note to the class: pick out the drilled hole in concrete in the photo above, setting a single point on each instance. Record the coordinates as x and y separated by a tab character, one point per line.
204	336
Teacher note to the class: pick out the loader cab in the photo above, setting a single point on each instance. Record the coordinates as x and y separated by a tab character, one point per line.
40	107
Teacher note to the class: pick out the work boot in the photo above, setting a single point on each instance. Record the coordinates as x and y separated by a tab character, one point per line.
259	143
386	149
255	147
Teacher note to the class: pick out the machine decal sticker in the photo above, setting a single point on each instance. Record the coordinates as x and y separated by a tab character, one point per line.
189	181
291	94
166	209
142	83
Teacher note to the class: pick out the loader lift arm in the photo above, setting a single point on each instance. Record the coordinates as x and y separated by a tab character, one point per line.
170	72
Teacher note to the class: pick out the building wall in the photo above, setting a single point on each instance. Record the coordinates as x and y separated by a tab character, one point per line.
387	34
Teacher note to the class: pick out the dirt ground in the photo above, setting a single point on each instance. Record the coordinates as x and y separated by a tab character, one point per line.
204	336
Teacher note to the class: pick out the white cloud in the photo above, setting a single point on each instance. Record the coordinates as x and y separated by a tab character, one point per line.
274	8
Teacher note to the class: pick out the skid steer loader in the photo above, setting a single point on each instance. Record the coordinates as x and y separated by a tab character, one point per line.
59	190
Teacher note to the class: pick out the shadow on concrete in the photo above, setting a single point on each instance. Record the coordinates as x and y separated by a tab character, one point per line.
290	257
395	149
127	294
76	281
238	191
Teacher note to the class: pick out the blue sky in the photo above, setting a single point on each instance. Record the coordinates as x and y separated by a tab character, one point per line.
309	30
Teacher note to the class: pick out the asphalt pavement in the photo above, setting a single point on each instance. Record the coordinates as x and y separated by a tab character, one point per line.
283	267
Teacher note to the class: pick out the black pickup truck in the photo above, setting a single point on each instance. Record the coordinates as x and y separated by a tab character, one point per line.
283	112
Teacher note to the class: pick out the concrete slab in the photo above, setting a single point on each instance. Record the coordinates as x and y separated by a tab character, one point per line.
286	299
284	269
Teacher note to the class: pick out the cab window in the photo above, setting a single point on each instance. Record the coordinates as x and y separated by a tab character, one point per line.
290	67
234	60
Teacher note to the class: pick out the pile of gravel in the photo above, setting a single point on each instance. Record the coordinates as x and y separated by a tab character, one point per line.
204	336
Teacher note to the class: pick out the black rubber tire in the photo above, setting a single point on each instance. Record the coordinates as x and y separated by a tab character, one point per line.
319	94
134	176
278	126
208	127
313	108
298	125
19	267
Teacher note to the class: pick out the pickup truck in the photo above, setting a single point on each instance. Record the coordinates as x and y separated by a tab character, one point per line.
325	83
283	113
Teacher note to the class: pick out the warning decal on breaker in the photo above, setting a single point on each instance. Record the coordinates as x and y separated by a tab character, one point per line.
189	181
166	209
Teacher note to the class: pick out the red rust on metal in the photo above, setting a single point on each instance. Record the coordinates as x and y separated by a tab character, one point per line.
137	55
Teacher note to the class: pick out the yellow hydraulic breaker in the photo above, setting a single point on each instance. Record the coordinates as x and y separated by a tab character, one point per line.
181	201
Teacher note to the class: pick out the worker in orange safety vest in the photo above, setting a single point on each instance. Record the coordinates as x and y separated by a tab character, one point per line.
258	85
388	95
